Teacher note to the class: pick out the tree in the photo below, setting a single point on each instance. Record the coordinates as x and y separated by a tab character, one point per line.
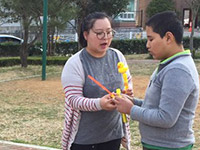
59	14
195	8
156	6
28	13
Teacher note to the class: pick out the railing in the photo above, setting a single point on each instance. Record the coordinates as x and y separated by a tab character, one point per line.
127	16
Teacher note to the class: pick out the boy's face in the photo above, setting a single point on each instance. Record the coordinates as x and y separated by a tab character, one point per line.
156	45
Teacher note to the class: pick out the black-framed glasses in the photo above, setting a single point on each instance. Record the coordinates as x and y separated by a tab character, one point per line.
101	35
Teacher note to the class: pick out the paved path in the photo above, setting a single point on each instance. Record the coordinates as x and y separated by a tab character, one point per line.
6	145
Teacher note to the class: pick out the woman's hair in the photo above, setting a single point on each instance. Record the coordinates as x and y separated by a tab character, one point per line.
88	23
167	21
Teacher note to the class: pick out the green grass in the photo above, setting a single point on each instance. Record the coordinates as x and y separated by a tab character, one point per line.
32	110
17	72
138	57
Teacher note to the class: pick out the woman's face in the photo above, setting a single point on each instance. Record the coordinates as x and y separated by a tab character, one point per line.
99	37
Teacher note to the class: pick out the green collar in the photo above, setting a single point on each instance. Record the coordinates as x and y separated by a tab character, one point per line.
175	55
167	61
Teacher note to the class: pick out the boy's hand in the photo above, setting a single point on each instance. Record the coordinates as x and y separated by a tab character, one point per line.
128	92
123	104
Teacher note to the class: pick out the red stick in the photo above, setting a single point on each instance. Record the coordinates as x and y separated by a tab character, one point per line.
99	84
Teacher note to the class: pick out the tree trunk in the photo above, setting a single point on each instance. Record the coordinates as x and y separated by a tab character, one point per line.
191	40
23	55
24	48
79	22
192	35
195	8
48	43
52	42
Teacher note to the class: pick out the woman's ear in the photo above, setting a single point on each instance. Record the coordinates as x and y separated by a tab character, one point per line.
169	37
85	34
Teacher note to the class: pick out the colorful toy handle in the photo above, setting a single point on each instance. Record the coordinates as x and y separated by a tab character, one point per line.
124	119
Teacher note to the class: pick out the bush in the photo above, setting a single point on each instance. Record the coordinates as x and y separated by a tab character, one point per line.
196	43
53	60
130	46
9	49
134	46
65	48
35	50
11	61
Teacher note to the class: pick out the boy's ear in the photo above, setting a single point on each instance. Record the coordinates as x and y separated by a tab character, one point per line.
169	37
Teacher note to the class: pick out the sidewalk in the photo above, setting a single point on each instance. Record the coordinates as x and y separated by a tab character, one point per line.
6	145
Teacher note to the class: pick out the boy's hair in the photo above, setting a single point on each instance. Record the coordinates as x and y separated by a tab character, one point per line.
88	23
167	21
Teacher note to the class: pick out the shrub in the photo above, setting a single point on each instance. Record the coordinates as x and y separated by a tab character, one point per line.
9	49
133	46
11	61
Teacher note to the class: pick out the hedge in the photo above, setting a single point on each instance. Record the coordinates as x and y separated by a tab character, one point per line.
9	49
134	46
53	60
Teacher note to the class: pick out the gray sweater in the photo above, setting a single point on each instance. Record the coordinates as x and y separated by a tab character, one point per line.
166	115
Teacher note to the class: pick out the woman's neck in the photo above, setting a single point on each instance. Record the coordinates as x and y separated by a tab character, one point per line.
96	54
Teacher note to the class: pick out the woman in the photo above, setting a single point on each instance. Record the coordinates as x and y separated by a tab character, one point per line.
91	118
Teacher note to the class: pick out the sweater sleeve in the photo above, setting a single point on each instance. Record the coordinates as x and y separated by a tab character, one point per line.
177	85
73	79
137	101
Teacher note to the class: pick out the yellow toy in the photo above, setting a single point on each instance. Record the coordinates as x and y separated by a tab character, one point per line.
124	119
122	69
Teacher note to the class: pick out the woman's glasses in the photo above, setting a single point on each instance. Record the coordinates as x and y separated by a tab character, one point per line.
102	35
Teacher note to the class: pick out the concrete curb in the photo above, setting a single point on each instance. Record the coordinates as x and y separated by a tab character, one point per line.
27	145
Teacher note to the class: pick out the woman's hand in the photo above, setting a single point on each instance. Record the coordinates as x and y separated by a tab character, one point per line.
107	103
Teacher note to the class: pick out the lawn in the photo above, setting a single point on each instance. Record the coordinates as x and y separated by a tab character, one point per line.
32	110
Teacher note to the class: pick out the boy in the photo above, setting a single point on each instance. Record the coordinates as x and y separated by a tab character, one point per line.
167	112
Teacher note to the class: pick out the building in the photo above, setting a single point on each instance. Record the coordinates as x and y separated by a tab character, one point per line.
124	24
181	7
11	28
127	19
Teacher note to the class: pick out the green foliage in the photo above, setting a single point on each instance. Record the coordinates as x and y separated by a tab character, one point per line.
111	7
9	61
197	55
35	50
65	48
196	41
50	60
59	13
14	10
54	60
9	49
135	46
156	6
